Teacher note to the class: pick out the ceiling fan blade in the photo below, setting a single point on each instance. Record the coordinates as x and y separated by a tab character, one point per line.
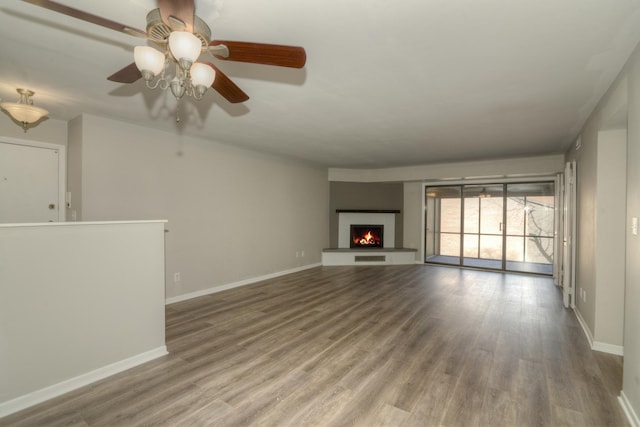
88	17
259	53
181	11
225	87
128	74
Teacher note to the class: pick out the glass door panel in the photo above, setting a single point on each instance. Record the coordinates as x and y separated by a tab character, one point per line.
471	246
443	223
515	248
530	227
483	225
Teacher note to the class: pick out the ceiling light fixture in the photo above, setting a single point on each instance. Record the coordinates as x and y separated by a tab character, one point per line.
484	194
183	49
24	111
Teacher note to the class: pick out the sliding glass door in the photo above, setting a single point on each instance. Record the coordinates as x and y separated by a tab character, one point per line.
530	227
496	226
483	226
444	221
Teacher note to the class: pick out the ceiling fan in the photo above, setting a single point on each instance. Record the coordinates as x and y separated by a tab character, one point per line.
177	31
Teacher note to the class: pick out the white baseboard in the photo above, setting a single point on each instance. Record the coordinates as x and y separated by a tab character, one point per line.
39	396
618	350
584	326
245	282
632	417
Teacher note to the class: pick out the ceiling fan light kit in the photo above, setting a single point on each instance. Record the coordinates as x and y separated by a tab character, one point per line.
202	76
149	61
192	78
185	47
182	37
23	110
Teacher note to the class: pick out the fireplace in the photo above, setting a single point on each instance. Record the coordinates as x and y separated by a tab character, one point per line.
366	218
366	236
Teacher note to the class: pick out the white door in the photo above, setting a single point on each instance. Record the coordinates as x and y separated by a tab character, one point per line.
569	238
29	184
558	233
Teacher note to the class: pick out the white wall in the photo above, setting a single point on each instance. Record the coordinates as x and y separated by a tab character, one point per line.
233	214
585	265
74	169
631	371
412	214
77	302
600	237
49	130
610	239
618	108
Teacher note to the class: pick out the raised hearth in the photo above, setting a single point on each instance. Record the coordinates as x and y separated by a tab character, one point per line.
367	237
371	256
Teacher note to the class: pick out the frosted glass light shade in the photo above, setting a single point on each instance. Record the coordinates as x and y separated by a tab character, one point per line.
24	113
148	59
202	74
184	46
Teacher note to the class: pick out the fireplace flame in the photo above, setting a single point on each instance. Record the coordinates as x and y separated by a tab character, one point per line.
366	240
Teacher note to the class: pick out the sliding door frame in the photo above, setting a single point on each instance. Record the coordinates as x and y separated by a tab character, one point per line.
493	181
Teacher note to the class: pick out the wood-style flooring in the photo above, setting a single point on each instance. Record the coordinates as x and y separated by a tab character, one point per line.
361	346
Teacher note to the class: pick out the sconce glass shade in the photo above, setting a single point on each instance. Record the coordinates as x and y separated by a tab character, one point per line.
148	59
184	46
202	75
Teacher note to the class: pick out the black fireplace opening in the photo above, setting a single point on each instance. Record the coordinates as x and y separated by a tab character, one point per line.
366	236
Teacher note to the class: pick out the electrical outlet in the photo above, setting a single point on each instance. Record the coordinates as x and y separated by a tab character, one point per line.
584	296
176	277
302	254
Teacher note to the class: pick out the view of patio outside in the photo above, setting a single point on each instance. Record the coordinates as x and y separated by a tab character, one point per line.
526	223
529	228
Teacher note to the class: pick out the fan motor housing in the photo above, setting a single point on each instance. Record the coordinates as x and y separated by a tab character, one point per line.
158	31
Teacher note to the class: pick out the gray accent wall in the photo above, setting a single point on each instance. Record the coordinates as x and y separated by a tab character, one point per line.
359	195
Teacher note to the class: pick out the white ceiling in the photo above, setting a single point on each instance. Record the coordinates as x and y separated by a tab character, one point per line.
385	84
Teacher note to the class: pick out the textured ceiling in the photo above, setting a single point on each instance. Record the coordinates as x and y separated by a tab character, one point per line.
385	84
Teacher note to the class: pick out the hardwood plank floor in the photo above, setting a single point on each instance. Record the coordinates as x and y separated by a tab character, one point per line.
361	346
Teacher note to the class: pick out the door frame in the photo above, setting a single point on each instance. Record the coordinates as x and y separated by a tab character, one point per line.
569	222
62	167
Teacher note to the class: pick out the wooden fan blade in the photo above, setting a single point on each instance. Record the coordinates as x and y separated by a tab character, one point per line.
128	74
88	17
259	53
180	10
225	87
